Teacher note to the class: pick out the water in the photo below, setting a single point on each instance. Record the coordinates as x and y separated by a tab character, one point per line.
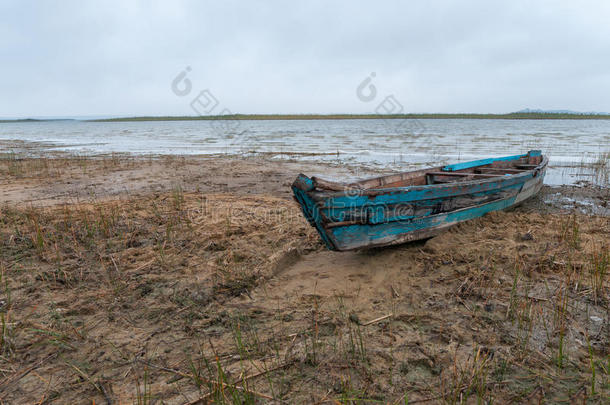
394	144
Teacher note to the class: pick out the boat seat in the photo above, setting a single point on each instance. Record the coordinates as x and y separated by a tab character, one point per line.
431	177
482	170
460	174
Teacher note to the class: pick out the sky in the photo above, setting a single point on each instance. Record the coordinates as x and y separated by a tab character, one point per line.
125	58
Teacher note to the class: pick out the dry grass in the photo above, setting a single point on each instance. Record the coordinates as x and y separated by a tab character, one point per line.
19	167
90	275
168	299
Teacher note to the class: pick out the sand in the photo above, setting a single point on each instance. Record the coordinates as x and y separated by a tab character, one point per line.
194	280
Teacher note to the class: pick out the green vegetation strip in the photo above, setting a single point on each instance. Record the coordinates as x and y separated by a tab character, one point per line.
270	117
512	116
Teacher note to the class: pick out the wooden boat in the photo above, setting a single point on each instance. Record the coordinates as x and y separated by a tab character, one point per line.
416	205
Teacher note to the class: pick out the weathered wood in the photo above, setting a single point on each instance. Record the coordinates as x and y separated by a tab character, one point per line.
461	174
416	177
342	223
393	180
329	185
381	318
399	208
500	170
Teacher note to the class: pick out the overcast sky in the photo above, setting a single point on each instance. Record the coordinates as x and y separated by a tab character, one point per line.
69	58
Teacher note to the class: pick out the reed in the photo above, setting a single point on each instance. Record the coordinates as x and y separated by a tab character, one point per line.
570	231
467	379
598	272
601	169
560	321
144	395
602	162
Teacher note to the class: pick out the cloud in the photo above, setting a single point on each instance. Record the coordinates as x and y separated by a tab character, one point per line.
119	58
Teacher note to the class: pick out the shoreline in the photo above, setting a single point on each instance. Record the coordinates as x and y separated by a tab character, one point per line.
106	176
590	172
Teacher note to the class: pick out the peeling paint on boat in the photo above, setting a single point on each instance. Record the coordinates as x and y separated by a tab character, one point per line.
360	218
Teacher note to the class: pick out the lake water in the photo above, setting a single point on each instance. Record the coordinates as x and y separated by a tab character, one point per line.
394	144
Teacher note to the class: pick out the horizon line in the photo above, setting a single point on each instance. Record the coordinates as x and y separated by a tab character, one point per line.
524	114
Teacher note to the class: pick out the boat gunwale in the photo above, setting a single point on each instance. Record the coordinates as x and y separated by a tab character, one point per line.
372	192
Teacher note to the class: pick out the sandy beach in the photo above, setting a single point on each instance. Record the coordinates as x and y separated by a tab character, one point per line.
192	280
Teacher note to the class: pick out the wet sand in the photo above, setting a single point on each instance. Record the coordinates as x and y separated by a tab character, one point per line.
195	279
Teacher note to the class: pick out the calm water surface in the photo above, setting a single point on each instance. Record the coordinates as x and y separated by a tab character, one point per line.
395	144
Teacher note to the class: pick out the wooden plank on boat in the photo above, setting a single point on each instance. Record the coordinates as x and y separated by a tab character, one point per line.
328	185
458	174
501	170
398	180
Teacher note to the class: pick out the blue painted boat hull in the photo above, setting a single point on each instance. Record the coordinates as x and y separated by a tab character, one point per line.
416	205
